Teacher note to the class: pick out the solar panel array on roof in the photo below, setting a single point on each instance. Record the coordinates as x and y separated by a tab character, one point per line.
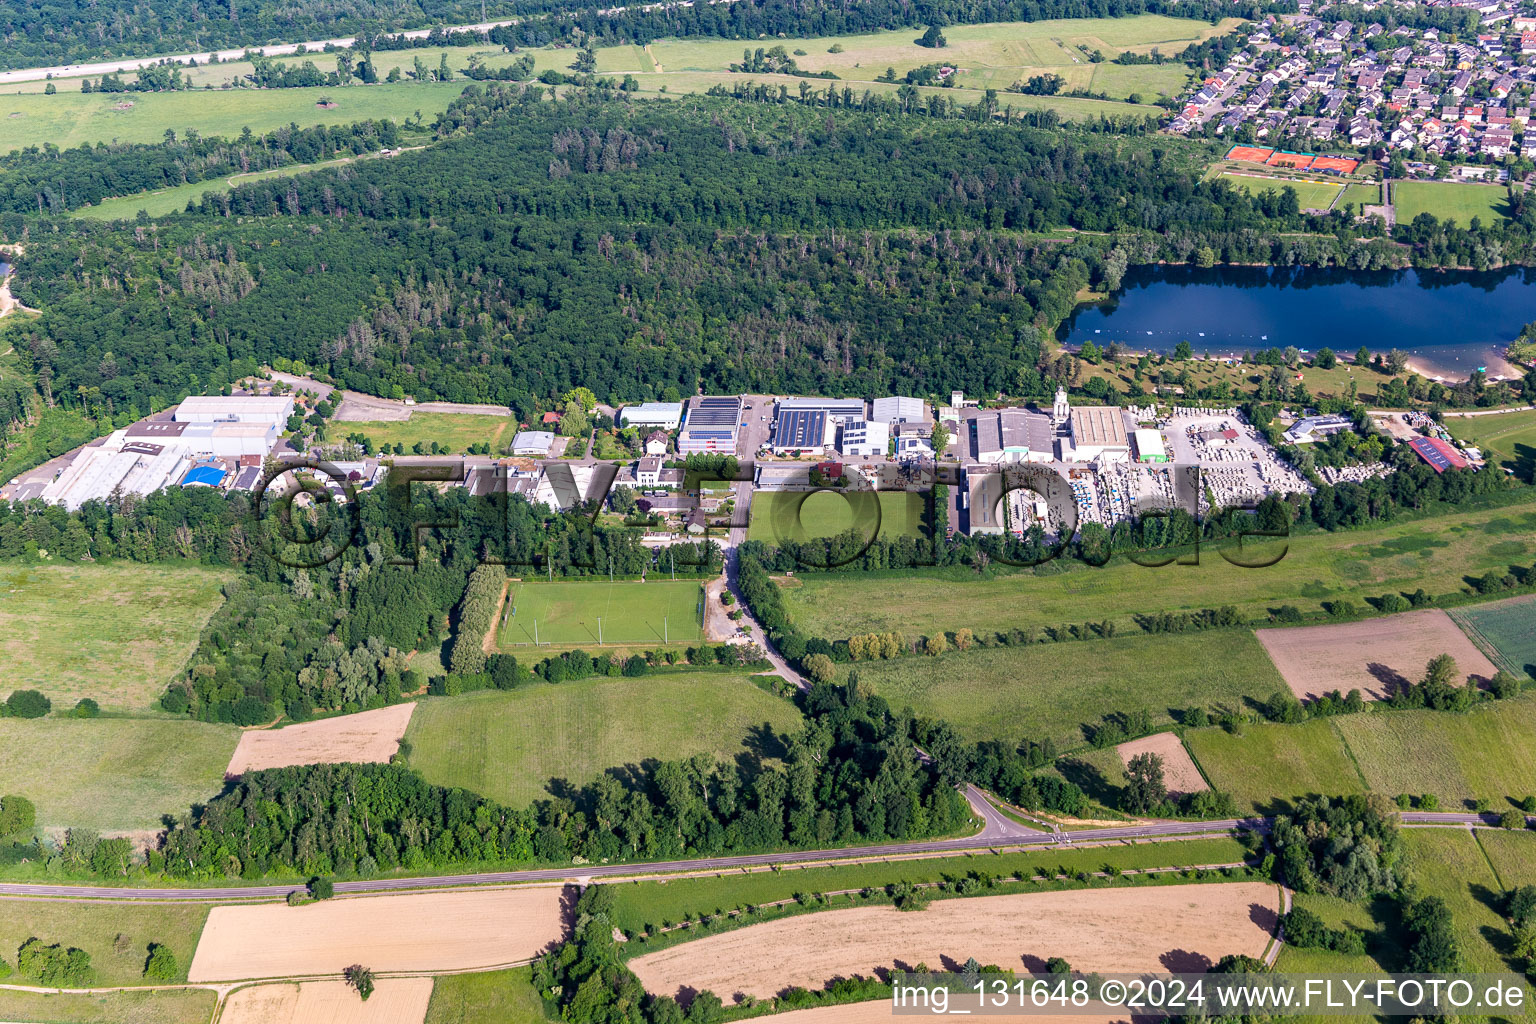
800	428
714	412
1438	454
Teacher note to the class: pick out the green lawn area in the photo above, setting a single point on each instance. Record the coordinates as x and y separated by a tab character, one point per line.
1512	855
632	612
1484	754
1049	690
113	773
116	633
1508	438
1310	195
1435	553
509	745
117	935
828	513
1361	195
1270	764
1449	200
1449	863
455	431
638	904
1381	947
487	997
72	118
167	1006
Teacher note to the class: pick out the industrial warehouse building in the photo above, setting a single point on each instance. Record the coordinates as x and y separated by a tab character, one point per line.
862	439
1149	446
665	415
711	425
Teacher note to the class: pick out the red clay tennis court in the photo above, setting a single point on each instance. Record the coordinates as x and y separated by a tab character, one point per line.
1283	159
1335	163
1252	154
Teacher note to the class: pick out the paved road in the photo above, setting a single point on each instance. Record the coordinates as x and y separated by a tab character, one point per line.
988	838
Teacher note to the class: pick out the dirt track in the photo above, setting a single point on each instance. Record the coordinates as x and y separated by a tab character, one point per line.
879	1012
365	736
394	1001
1378	656
1178	928
417	932
1179	770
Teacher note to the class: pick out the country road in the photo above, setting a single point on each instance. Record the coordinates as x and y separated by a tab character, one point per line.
998	834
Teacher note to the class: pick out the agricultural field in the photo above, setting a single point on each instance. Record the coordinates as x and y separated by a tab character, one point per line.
1450	864
1108	930
114	633
1507	439
1506	630
1378	656
490	997
510	746
1435	553
1050	690
631	612
1512	855
453	431
368	736
72	118
394	1001
162	1006
1310	194
1484	754
1179	770
639	906
827	514
113	774
116	935
1449	200
438	931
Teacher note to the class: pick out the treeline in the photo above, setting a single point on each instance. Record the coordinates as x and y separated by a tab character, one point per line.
849	775
51	180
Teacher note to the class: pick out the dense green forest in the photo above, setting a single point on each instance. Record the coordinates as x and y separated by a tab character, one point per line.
848	775
71	31
640	249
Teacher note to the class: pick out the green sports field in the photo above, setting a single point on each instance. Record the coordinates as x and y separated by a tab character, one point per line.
1310	195
456	431
778	515
1435	553
1508	438
1505	630
1050	690
116	935
114	633
1449	200
632	613
113	773
510	745
1460	758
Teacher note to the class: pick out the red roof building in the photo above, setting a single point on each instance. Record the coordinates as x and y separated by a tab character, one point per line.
1438	454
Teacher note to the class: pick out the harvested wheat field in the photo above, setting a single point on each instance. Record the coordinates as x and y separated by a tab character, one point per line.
1177	928
1179	770
394	1001
365	736
879	1012
414	932
1379	656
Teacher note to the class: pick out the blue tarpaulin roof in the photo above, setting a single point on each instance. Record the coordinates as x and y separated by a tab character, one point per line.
209	476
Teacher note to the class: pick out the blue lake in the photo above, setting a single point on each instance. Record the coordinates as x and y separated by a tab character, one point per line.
1450	323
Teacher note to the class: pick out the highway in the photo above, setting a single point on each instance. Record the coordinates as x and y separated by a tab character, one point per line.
999	833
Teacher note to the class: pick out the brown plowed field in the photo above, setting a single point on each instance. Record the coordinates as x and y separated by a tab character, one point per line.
394	1001
412	932
1179	770
1177	928
365	736
1379	656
